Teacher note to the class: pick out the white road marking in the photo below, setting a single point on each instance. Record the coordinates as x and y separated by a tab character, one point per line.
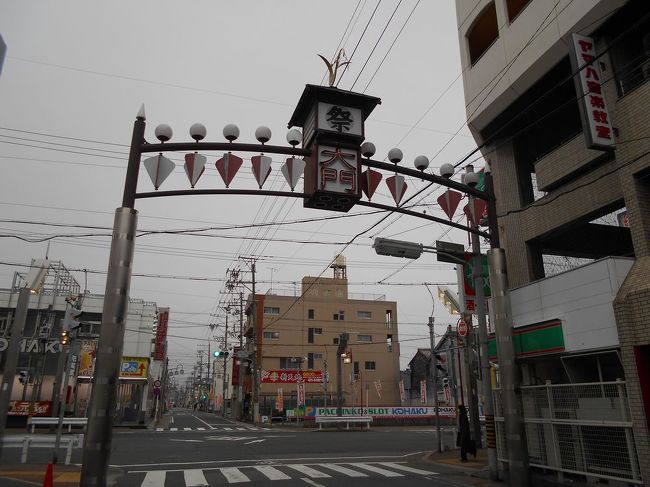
398	466
159	429
155	478
187	429
309	472
195	478
254	441
173	429
380	471
272	473
340	469
233	475
189	441
241	429
199	419
311	482
227	429
344	459
201	429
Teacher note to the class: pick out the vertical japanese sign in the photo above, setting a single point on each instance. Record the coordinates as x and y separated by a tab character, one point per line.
423	392
87	355
596	123
301	394
161	334
402	393
378	388
279	400
235	366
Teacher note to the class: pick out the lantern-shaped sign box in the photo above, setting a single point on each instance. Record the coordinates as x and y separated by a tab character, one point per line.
333	129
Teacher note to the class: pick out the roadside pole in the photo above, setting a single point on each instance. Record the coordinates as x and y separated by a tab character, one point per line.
434	367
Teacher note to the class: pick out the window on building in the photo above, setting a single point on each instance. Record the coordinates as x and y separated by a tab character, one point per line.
311	314
364	315
340	316
364	338
339	292
389	318
631	58
271	335
370	365
356	369
311	358
335	341
271	310
289	363
483	33
311	332
389	342
514	7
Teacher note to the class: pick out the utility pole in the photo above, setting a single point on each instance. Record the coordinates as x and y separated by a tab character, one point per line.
343	344
472	391
225	364
240	381
486	382
452	365
434	372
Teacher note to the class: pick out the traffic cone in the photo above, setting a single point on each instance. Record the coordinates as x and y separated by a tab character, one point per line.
48	481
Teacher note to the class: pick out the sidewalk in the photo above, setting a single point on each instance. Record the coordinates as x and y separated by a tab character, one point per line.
474	472
33	474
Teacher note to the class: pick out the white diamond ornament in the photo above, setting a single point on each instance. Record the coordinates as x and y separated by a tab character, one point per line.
158	167
292	170
261	168
194	167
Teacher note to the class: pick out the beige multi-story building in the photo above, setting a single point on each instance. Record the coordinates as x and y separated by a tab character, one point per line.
301	333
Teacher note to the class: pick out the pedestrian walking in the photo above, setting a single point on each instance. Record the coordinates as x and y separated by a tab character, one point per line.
464	438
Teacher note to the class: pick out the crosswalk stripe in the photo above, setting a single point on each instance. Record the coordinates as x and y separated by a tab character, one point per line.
404	468
173	429
241	429
272	473
380	471
201	429
344	470
155	478
308	471
187	429
233	475
195	478
159	429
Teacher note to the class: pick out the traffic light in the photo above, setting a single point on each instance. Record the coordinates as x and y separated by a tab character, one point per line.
22	377
445	382
70	321
216	353
65	337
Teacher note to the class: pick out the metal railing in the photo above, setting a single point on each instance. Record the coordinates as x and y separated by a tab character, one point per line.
583	429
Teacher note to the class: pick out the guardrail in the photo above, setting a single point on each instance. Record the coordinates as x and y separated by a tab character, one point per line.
42	441
320	420
47	421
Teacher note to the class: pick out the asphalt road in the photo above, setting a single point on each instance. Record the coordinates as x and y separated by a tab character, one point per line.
203	449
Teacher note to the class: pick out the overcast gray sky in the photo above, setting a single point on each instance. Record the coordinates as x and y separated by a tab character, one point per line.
81	70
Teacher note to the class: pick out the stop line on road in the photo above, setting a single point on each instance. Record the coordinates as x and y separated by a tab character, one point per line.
254	473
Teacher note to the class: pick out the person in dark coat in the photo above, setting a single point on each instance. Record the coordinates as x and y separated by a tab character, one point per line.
464	438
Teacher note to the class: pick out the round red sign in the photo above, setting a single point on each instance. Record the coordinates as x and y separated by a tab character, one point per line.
462	328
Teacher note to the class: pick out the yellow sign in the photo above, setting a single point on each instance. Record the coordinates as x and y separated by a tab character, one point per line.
87	356
134	368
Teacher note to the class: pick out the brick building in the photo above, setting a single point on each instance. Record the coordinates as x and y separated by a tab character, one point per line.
561	198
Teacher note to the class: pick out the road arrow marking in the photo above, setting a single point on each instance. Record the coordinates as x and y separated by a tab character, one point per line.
254	441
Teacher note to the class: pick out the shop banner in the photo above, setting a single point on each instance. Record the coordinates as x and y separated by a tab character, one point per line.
287	376
402	392
423	392
21	408
279	401
134	368
161	334
391	412
301	394
87	356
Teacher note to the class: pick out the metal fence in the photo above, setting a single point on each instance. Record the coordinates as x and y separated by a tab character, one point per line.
582	429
